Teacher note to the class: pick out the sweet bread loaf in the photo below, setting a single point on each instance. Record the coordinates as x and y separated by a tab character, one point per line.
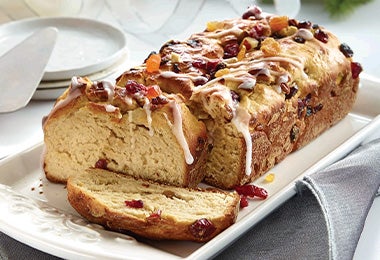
132	129
123	203
251	90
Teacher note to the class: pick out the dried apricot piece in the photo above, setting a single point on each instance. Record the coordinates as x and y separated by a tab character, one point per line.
153	63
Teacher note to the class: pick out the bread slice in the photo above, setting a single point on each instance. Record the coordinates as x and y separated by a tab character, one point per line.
97	123
155	211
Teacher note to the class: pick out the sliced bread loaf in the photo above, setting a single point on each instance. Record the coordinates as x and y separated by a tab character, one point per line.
123	203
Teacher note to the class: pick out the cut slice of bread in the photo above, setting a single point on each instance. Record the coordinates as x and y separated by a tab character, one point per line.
151	210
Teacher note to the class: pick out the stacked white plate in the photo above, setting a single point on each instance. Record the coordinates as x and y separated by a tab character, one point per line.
84	47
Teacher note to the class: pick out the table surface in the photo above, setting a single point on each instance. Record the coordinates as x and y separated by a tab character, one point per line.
360	30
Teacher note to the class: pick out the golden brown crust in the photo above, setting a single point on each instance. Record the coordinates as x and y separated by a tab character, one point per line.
91	202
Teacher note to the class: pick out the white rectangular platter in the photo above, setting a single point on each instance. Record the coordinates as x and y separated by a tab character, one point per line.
36	212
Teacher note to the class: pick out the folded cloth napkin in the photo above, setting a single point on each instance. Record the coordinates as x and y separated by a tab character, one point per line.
326	217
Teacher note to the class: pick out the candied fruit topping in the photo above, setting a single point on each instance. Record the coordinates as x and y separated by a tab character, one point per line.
321	36
253	11
153	92
249	43
278	23
304	24
346	50
243	201
214	25
222	72
202	228
137	204
132	87
269	177
356	69
270	47
251	190
231	49
153	63
242	51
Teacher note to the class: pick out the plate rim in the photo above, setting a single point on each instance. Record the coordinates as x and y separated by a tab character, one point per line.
68	21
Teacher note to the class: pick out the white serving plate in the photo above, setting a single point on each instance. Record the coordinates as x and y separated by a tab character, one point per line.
84	46
36	212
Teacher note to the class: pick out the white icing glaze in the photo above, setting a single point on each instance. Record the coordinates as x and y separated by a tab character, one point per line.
178	131
241	121
74	92
148	112
110	108
171	74
218	34
110	88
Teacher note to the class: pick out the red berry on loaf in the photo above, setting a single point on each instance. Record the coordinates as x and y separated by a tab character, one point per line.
101	164
356	69
154	217
202	228
137	204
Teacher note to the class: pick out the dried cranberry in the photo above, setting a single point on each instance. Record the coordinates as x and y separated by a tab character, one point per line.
137	204
299	39
251	190
243	201
101	164
304	24
214	65
293	90
134	87
159	100
154	217
252	11
346	50
235	96
202	228
356	69
199	64
321	36
257	31
231	50
293	22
